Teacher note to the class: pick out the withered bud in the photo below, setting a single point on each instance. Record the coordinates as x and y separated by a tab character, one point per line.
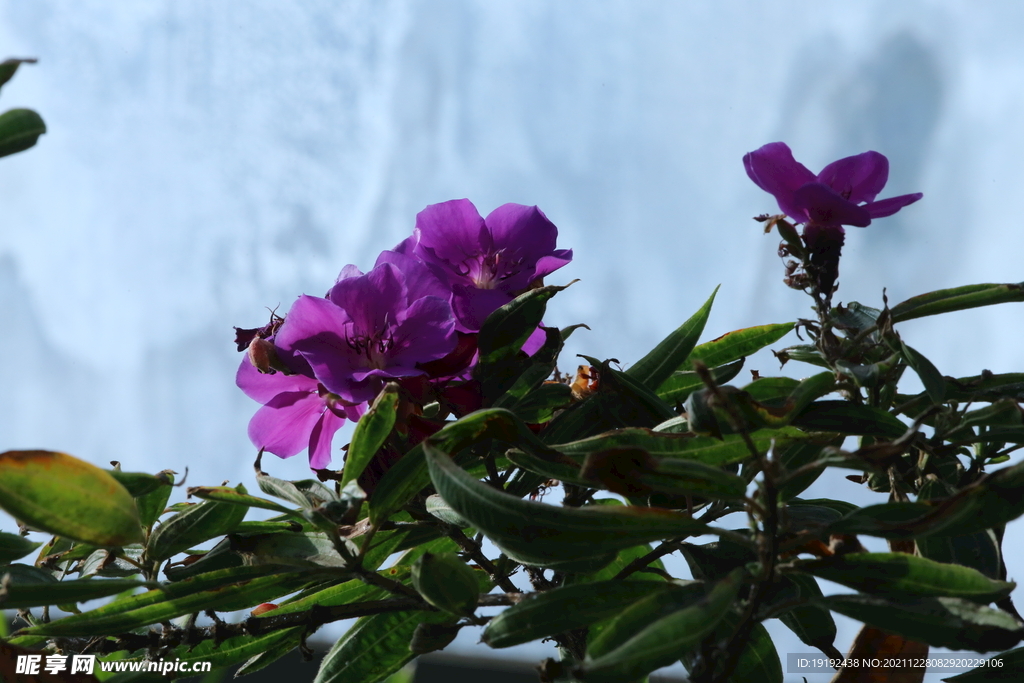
586	382
263	356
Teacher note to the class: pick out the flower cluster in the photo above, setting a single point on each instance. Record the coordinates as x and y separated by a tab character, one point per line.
842	194
412	319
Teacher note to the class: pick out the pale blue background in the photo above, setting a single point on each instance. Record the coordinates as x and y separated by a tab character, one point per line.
208	160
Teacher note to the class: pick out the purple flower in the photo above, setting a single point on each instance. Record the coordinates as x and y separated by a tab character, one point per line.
372	327
485	262
298	412
842	194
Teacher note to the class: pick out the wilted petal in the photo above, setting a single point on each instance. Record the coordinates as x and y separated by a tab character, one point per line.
825	207
283	425
858	178
450	228
774	170
321	438
887	207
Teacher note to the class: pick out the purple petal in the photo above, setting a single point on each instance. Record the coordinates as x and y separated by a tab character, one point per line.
535	341
825	207
427	333
347	272
452	230
313	319
318	330
523	230
320	439
373	299
472	305
549	264
858	178
261	387
420	281
888	207
407	246
283	425
775	171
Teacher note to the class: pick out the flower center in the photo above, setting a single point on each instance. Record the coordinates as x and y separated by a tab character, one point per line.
488	270
375	348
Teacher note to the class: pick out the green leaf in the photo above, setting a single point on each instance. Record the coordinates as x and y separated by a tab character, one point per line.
507	329
811	623
409	475
14	547
19	130
270	653
227	494
540	405
638	614
665	640
550	612
658	365
9	66
633	471
678	387
1002	668
571	539
940	622
238	649
732	346
26	586
375	647
956	299
501	362
139	483
542	364
307	493
438	508
371	431
152	503
710	451
714	561
979	550
758	661
640	407
193	526
63	495
993	500
934	384
900	574
224	590
849	418
795	454
446	582
301	550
